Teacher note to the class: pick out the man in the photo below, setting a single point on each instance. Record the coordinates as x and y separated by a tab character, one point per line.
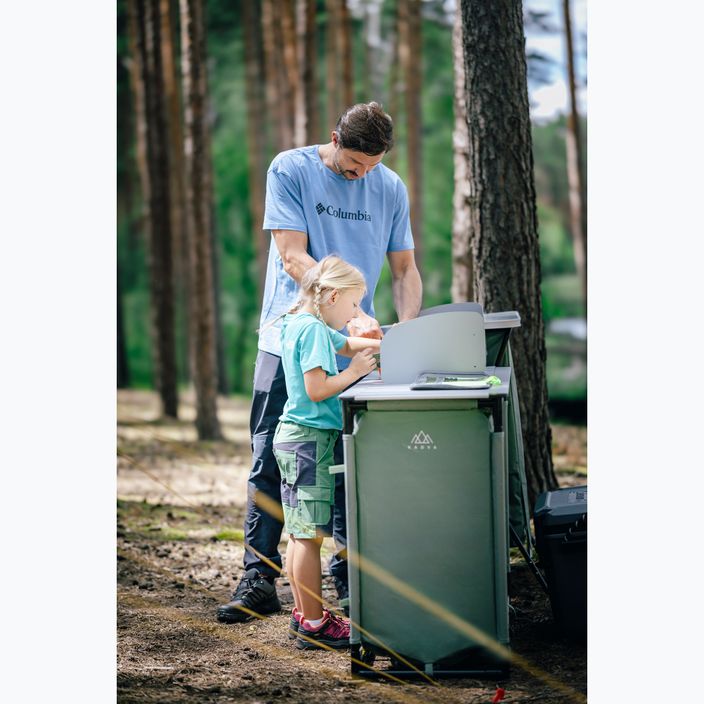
336	198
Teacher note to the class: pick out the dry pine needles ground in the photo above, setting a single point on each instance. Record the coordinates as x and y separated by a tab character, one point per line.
180	516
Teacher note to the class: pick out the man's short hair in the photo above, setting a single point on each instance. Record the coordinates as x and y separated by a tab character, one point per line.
365	128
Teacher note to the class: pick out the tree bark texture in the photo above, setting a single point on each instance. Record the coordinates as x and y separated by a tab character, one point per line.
157	201
220	355
574	158
209	195
375	61
275	75
298	18
462	274
410	46
503	209
345	47
203	335
332	58
396	87
222	385
256	146
269	81
172	96
309	62
290	78
137	86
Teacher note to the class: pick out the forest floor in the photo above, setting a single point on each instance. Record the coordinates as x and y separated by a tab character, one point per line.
180	512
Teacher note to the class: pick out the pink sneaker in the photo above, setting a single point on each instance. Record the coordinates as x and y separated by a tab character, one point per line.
333	632
294	623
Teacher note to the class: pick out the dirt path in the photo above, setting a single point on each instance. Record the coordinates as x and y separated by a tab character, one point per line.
180	513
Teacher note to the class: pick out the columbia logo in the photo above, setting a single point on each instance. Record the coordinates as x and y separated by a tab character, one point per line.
336	212
422	441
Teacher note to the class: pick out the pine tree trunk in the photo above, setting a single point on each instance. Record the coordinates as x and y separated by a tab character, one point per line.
254	81
298	43
292	102
157	200
332	74
503	208
140	116
202	314
221	359
574	158
209	191
374	61
271	35
410	59
269	82
345	48
283	55
172	96
396	87
222	385
310	80
462	275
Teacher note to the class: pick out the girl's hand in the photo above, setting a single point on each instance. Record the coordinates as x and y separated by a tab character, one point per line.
363	363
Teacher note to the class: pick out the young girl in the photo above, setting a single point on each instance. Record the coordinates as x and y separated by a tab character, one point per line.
308	428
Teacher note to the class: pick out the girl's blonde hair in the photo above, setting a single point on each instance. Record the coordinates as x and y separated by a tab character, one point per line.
317	284
329	274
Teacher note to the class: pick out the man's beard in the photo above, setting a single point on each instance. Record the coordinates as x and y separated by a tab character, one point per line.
337	165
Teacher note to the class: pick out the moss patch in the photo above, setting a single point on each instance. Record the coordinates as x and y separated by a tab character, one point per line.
235	535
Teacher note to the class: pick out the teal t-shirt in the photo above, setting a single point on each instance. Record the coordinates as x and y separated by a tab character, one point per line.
307	343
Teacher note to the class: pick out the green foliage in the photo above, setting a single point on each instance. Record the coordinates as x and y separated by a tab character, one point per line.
556	249
136	313
551	163
437	111
562	297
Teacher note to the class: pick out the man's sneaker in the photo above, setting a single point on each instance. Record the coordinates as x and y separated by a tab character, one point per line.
333	632
254	593
343	595
294	623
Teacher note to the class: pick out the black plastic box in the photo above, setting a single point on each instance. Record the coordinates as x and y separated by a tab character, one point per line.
560	520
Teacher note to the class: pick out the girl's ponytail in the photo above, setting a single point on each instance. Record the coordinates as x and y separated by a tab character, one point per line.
317	284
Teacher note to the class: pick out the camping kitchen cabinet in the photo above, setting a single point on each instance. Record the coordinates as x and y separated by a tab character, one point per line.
431	479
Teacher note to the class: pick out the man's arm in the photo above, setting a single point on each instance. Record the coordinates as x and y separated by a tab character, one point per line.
292	246
406	284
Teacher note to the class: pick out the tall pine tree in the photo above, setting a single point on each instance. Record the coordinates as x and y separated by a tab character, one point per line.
197	144
503	208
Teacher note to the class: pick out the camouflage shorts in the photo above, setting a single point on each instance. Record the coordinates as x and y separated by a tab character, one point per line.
304	456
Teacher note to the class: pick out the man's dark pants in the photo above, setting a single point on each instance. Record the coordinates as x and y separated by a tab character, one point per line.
262	530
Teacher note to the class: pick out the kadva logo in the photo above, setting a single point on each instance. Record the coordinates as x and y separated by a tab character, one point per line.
422	441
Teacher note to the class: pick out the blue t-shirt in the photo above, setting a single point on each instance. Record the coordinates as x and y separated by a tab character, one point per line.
308	343
358	220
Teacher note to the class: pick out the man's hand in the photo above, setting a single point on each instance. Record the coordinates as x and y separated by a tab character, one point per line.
364	325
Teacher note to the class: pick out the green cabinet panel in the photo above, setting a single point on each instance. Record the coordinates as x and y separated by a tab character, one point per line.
425	504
